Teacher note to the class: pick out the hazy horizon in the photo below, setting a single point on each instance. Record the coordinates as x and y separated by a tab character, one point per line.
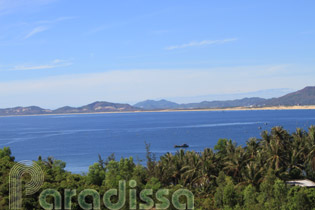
266	94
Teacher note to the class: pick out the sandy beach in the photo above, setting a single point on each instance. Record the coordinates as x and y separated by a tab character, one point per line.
234	109
190	110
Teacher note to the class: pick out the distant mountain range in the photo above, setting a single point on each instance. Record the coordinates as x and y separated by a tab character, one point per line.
305	96
90	108
98	106
302	97
266	93
163	104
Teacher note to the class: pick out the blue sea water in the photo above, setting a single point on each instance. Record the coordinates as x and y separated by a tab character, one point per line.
78	139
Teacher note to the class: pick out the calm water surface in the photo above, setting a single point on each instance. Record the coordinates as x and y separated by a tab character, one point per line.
78	139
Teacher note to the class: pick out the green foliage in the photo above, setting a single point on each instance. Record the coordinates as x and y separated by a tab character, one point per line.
6	163
228	177
229	195
221	146
96	174
250	197
116	171
301	198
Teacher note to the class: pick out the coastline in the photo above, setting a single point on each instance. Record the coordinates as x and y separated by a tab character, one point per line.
308	107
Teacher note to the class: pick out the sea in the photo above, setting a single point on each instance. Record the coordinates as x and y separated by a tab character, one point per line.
79	139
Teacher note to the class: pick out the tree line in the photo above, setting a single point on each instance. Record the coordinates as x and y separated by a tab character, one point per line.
229	176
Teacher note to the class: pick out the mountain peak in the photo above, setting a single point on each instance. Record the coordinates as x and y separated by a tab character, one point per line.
308	89
305	96
160	104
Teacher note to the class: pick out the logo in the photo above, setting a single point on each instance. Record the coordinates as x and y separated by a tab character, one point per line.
181	199
15	182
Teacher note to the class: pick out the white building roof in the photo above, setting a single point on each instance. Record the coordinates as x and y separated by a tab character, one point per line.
301	183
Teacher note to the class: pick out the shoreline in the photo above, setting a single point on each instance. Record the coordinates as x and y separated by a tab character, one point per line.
308	107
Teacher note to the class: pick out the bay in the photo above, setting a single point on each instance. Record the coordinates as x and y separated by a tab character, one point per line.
78	139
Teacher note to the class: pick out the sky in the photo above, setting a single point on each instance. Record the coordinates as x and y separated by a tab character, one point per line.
73	52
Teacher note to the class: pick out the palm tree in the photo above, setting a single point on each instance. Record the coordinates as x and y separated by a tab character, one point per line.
164	169
234	162
253	171
191	169
252	147
311	147
49	162
297	156
276	148
210	166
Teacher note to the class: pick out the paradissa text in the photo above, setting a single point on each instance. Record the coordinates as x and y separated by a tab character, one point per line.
146	197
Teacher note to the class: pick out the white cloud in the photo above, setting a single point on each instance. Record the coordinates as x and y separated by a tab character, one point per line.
54	64
55	20
39	29
202	43
33	67
36	30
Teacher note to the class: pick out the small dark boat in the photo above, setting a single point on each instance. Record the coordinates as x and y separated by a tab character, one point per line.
181	146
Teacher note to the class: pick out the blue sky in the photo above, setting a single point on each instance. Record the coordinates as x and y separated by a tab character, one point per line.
73	52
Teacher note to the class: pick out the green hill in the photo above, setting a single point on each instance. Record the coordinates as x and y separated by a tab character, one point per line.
305	96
